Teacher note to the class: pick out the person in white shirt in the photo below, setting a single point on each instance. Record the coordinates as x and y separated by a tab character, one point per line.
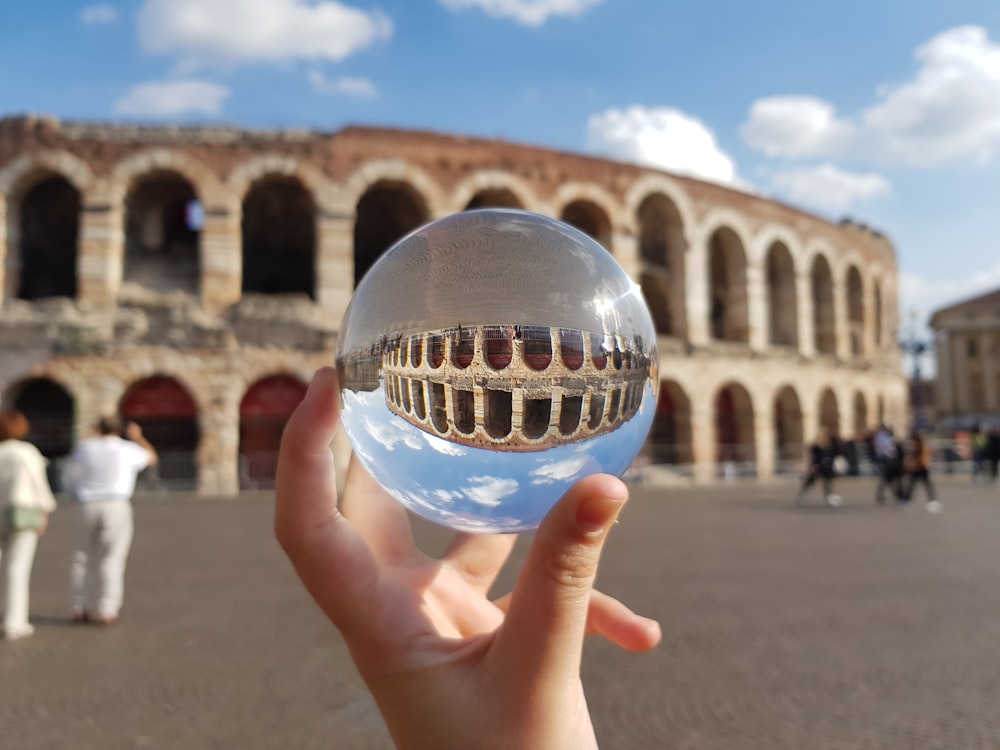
25	503
102	475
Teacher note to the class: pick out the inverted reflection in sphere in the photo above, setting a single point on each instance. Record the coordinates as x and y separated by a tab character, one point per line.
491	359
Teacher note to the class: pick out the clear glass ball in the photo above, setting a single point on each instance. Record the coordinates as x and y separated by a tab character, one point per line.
491	359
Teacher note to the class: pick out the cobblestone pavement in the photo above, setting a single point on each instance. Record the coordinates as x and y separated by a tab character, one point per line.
785	628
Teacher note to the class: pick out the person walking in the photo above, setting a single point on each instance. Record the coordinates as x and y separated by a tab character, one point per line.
102	475
821	466
917	465
25	503
889	460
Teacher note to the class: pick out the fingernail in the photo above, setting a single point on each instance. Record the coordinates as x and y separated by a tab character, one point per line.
597	513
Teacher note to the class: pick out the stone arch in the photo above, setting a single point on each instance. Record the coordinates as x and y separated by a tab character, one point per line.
829	411
244	175
789	438
670	438
140	164
782	296
590	208
43	233
854	289
72	168
264	410
824	319
50	410
663	261
279	234
727	287
590	218
735	438
650	184
390	171
385	212
495	188
166	410
162	221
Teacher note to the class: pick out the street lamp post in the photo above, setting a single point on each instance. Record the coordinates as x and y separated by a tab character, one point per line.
916	347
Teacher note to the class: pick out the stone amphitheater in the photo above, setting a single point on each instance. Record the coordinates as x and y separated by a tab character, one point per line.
193	279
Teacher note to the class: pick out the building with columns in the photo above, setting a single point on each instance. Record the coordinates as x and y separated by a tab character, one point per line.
967	350
193	278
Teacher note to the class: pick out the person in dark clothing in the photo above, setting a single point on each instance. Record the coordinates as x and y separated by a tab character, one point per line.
889	459
821	466
993	450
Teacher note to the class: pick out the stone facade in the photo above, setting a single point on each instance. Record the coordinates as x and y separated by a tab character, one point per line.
968	362
216	258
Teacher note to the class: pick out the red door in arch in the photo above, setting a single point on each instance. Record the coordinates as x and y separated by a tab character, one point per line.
168	416
265	409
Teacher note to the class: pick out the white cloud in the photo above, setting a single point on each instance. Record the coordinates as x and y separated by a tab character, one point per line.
559	471
442	446
361	87
224	33
99	15
796	126
829	188
388	433
949	111
527	12
489	491
660	137
172	98
921	295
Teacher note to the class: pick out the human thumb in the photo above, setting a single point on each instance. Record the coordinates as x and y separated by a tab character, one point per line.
546	620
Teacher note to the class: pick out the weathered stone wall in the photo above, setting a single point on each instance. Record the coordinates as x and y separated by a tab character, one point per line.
219	341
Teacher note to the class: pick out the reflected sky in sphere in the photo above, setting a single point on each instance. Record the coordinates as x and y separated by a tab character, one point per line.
491	359
477	490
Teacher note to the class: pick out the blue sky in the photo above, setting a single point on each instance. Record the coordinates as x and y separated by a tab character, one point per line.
888	111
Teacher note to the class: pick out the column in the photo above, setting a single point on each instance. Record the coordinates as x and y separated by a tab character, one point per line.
989	366
100	250
219	444
703	446
959	349
221	257
696	272
625	249
756	307
804	303
335	263
763	429
841	324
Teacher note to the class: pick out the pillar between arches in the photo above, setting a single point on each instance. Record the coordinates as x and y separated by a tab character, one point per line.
703	444
221	258
100	253
764	438
756	308
804	302
334	263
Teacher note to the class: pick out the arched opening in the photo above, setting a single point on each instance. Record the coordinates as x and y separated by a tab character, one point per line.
877	308
49	409
736	449
855	311
782	307
829	413
386	213
497	412
279	237
788	438
163	222
536	346
669	440
860	416
590	219
48	231
662	250
494	198
825	339
264	410
728	287
571	348
537	416
498	342
570	412
168	416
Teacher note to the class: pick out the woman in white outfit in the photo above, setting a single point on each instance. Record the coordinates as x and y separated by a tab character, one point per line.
102	475
25	503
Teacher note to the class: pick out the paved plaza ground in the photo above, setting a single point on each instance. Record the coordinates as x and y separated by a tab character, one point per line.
798	628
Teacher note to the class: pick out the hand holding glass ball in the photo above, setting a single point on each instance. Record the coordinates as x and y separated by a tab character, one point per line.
490	360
